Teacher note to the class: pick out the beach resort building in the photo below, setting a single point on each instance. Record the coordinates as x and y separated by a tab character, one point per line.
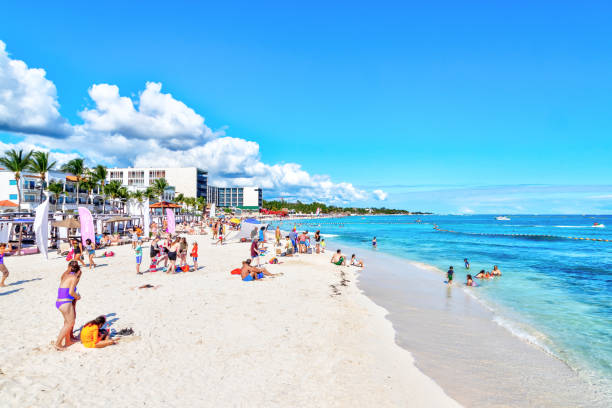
246	198
30	191
189	181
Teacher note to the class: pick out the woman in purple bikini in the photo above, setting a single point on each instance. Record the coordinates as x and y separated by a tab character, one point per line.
66	302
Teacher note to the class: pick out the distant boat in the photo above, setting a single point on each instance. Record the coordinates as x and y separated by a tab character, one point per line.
502	218
598	225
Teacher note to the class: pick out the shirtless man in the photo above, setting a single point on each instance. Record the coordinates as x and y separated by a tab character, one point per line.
249	273
338	259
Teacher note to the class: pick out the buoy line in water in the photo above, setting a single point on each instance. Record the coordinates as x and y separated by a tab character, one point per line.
437	228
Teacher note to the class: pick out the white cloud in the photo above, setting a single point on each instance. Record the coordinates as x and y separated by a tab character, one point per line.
28	100
154	116
153	129
380	195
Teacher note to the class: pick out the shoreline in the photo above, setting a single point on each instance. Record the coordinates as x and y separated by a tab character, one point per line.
207	338
558	385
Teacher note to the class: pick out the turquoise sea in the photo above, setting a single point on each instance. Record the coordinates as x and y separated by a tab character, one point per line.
555	292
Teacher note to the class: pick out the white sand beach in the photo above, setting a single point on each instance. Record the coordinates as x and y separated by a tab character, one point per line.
206	338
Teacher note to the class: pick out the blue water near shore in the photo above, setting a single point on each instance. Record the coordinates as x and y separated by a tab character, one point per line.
555	292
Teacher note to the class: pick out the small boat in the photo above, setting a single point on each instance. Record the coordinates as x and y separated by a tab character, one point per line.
598	225
502	218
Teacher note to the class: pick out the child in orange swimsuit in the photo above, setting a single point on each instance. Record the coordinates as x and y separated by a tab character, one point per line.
93	337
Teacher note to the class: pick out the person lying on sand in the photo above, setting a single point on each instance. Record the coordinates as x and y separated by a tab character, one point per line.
355	262
249	273
93	336
338	259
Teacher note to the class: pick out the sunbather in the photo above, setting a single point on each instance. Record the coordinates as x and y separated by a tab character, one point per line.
249	273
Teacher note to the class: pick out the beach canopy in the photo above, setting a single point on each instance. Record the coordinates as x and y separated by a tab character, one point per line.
67	223
8	203
118	219
252	221
164	204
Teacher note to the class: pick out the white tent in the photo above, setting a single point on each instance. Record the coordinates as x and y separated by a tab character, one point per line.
245	231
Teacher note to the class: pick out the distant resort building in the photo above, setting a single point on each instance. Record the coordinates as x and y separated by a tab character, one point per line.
244	198
188	181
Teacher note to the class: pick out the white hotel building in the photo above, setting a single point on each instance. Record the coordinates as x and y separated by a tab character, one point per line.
189	181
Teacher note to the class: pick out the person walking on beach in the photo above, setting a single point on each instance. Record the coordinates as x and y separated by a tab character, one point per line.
449	275
374	243
3	269
138	251
467	263
91	252
77	249
65	303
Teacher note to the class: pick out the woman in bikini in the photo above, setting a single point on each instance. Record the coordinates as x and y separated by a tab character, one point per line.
66	302
77	248
172	252
5	272
183	251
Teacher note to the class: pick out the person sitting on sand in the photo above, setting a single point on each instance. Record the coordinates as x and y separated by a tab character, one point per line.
249	273
496	271
338	259
355	262
93	336
66	297
288	246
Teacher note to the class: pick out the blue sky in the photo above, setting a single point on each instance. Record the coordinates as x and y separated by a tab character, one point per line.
448	106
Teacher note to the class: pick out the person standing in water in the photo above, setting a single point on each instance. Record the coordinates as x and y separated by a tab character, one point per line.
449	275
3	269
467	263
374	243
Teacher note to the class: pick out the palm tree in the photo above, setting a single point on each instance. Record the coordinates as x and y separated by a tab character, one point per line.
179	198
201	203
16	161
98	175
57	189
77	168
123	195
139	196
88	185
40	164
112	189
159	186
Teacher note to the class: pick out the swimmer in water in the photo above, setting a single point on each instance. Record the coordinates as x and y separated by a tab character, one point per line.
470	281
467	263
496	271
374	243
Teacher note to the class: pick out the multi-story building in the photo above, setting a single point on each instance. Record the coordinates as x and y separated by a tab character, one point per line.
189	181
30	191
248	198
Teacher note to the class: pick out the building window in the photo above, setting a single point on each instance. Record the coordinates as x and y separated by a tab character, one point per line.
116	175
13	197
13	182
156	174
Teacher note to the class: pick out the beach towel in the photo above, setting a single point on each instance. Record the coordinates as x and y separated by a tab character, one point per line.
70	255
236	271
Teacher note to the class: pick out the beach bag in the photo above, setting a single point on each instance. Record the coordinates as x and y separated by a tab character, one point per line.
274	261
109	253
70	255
236	271
185	268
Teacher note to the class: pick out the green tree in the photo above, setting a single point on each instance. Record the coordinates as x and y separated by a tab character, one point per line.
57	189
41	165
17	162
76	167
160	185
112	190
201	201
98	175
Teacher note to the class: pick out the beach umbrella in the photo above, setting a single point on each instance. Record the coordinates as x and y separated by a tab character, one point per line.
235	221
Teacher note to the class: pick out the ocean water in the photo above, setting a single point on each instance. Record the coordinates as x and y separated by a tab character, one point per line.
555	292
